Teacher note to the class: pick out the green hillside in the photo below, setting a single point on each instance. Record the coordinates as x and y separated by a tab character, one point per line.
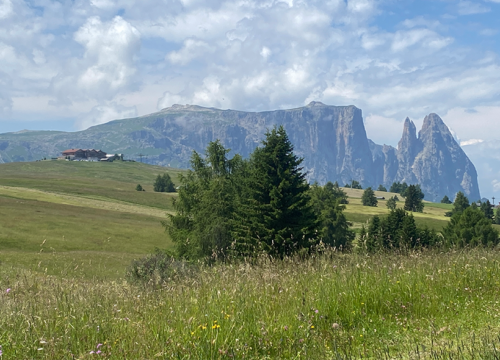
86	218
80	218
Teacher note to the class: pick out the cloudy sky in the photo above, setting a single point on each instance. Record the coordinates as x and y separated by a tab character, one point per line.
71	64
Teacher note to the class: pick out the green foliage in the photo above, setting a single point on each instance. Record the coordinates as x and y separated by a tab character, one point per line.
398	188
158	268
446	200
332	226
382	188
354	185
497	216
206	205
413	201
460	204
470	227
487	210
398	231
369	198
277	216
164	184
391	203
139	188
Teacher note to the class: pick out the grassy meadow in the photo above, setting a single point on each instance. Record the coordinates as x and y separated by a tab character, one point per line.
69	230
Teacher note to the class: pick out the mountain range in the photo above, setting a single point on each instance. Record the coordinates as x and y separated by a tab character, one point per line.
331	139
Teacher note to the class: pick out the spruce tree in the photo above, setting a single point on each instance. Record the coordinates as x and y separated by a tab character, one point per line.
413	201
446	200
373	242
278	217
460	204
487	210
369	198
391	203
139	187
382	188
333	226
158	185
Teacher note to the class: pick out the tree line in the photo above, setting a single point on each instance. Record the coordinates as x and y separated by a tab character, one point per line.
242	207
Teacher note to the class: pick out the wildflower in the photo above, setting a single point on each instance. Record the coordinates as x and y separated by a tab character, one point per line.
316	311
312	326
92	352
8	290
335	326
215	326
99	345
285	328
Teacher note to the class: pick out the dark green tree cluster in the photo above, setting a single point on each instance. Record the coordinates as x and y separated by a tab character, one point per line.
263	204
397	231
354	185
139	187
469	225
413	199
327	203
497	216
446	200
164	184
382	188
368	198
398	188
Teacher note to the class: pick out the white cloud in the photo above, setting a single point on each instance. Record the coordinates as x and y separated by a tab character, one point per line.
5	8
466	7
471	142
191	50
108	65
103	113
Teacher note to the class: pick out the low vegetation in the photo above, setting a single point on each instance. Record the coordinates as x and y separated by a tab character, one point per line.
427	305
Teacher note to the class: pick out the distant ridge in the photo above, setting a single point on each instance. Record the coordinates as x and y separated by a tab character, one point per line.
331	139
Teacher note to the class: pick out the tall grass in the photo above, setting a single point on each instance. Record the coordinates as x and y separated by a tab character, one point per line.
332	306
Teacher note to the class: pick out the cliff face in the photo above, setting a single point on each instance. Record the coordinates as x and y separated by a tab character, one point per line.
331	139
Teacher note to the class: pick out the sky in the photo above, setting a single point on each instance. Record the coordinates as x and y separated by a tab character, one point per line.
71	64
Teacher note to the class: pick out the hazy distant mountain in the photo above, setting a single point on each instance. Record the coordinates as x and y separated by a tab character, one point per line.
332	140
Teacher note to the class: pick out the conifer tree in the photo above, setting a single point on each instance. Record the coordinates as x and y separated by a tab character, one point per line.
413	201
446	200
460	204
487	210
278	217
369	198
391	203
382	188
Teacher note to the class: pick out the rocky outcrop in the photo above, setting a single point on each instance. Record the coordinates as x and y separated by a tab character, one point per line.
331	139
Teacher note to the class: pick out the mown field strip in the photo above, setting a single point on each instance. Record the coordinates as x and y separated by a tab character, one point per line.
82	201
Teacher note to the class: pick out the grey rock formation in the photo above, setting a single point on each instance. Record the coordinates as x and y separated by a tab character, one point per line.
331	139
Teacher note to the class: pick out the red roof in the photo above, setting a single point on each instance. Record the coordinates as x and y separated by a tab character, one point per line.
71	151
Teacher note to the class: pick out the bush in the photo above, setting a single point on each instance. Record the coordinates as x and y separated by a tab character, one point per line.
139	187
164	184
158	268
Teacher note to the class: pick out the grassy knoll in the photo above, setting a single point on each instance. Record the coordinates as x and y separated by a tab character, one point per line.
433	215
114	181
88	216
418	306
31	230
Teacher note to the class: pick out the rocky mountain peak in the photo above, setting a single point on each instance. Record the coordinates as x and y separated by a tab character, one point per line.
331	139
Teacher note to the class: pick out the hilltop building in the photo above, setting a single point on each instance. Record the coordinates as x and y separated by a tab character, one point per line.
84	154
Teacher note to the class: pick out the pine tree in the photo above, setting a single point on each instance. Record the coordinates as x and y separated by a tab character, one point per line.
168	185
446	200
139	187
382	188
413	201
369	198
278	217
333	226
158	184
487	210
470	228
373	236
460	204
497	216
391	203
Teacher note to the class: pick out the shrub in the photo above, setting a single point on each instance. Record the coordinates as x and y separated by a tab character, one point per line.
158	268
139	187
